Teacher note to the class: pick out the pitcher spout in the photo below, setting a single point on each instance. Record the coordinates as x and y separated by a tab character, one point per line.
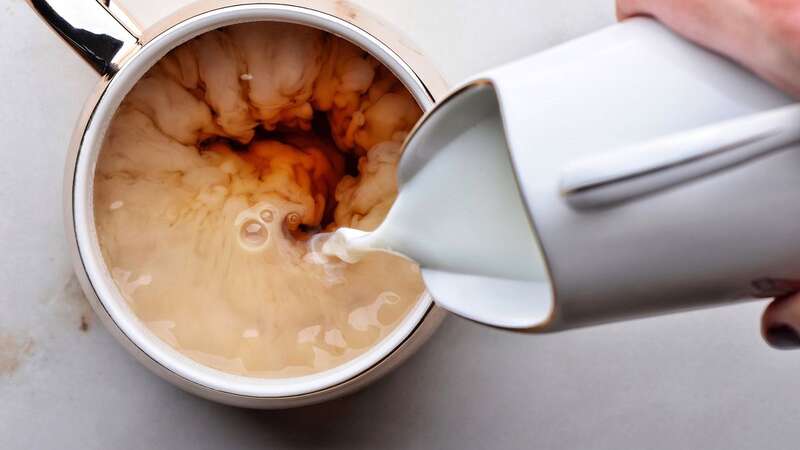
461	216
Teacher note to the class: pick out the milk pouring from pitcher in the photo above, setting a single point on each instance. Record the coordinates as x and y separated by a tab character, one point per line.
625	173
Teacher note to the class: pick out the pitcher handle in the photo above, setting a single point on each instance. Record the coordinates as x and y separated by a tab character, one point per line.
644	168
98	30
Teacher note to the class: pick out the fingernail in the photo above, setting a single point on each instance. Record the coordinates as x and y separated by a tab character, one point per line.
782	336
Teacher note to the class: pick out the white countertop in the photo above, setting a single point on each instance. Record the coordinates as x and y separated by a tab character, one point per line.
698	380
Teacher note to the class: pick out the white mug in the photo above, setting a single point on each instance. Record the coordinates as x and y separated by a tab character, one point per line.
110	41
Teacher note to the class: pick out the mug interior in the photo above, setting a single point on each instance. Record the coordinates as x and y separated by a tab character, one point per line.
98	275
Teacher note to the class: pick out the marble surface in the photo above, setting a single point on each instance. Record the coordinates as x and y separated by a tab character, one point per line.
697	380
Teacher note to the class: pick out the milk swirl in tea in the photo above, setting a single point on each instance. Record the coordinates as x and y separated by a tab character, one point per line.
220	164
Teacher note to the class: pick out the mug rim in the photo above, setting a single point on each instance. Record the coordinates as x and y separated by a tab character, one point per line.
81	213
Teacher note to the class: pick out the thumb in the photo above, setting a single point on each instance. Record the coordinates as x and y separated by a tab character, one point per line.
780	324
629	8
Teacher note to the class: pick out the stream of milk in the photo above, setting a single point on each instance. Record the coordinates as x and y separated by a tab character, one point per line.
459	212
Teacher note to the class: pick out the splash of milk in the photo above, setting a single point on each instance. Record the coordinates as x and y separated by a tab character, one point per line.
344	246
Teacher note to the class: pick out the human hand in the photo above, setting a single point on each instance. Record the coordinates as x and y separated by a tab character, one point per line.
763	35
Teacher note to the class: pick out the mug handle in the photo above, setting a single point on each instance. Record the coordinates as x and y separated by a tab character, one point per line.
98	30
643	168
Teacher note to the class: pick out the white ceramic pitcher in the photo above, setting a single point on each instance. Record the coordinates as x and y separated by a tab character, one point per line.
625	173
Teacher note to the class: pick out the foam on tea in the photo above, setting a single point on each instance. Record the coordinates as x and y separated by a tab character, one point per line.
223	160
